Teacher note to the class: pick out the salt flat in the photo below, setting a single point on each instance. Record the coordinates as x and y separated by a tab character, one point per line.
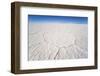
58	41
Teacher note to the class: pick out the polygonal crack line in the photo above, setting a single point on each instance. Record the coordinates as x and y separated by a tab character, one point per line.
57	53
81	51
34	51
59	49
64	48
45	40
34	45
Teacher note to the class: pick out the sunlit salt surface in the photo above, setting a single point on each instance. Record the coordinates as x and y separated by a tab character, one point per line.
52	41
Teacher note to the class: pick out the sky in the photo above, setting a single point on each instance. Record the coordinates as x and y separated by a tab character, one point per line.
32	19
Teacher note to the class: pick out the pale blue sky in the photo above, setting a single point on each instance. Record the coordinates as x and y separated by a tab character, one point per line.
60	19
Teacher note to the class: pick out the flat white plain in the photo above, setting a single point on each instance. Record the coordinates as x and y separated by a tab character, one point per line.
51	41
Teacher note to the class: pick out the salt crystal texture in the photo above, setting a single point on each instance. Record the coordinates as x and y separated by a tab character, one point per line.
58	41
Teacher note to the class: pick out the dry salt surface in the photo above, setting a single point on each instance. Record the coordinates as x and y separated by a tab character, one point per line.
58	41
